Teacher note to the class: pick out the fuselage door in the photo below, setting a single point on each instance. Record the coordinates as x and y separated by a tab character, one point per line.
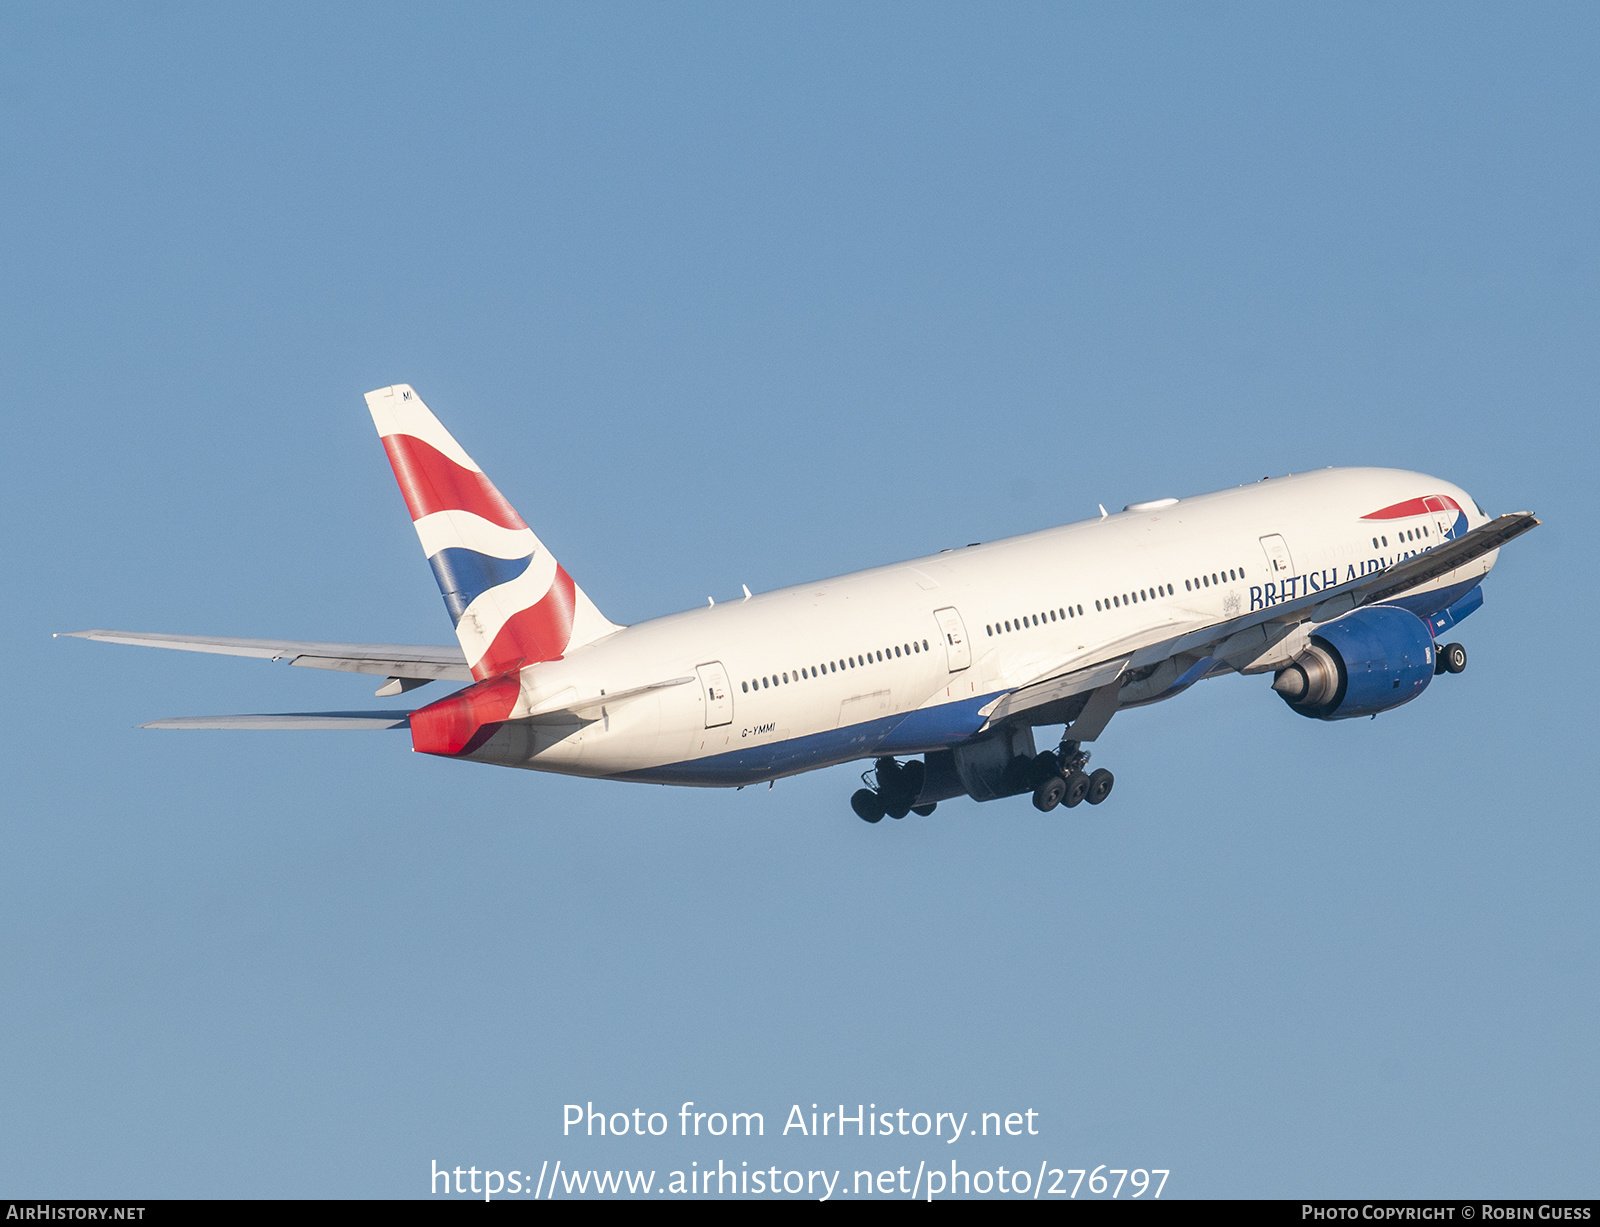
955	638
718	694
1444	519
1280	565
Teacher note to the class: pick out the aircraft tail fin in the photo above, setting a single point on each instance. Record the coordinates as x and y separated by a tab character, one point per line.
512	603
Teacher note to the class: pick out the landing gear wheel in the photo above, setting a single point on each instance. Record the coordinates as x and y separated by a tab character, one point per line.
1100	786
899	809
867	805
1454	657
922	811
911	777
1077	789
1048	795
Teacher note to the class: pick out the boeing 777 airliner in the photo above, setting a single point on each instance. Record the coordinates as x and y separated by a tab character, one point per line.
938	670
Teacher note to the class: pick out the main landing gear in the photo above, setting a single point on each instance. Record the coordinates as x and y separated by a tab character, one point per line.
1060	779
898	787
1451	658
1055	778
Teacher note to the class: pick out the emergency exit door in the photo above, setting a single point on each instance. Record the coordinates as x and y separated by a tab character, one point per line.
1279	564
718	694
954	631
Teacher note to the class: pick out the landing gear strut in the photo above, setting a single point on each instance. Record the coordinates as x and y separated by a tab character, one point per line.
899	785
1059	779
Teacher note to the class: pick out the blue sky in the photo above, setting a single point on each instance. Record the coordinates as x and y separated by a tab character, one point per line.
747	294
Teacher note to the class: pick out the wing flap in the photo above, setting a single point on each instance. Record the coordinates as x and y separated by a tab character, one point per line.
1048	691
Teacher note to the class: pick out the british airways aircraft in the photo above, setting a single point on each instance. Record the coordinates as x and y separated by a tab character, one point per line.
937	670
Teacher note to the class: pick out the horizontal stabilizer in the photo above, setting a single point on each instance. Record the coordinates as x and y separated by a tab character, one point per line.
428	661
326	720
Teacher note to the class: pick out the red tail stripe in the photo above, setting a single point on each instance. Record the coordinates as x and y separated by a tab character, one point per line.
1415	507
462	722
540	632
431	481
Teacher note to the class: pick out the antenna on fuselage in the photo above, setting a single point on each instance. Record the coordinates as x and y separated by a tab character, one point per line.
1103	512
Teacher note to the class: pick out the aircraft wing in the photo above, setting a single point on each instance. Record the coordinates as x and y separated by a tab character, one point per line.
1249	633
422	661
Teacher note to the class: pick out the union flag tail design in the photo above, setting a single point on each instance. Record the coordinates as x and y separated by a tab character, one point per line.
511	602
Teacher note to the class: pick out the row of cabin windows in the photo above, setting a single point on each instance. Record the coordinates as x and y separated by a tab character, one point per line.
1134	597
1118	600
1216	578
1039	619
834	666
1404	534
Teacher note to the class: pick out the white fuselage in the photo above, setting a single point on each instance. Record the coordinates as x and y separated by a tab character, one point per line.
867	663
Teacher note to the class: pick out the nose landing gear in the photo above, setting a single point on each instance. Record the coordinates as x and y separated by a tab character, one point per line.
1451	658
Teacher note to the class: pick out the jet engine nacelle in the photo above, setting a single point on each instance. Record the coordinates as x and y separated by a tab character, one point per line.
1361	664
